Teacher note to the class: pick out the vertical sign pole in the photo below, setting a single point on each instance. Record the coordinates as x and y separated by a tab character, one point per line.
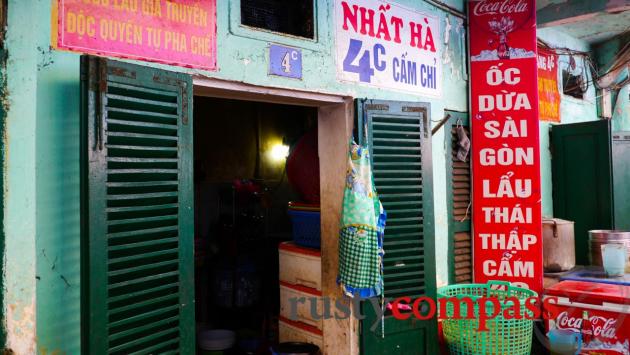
507	228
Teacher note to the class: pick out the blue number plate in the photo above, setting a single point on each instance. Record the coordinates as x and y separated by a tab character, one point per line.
285	61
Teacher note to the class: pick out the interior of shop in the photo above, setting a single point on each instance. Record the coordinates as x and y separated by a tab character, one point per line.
251	160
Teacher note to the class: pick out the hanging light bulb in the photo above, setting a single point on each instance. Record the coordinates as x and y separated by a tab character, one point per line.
279	152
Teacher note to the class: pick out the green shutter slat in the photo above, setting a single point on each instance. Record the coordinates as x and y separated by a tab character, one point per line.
395	141
157	347
385	196
394	243
407	250
159	230
398	187
126	259
128	100
383	132
120	124
395	211
411	274
140	136
143	316
393	261
143	340
134	282
141	160
143	208
142	115
404	284
122	222
398	149
149	243
149	302
137	269
392	156
396	220
402	236
391	204
404	227
145	195
141	183
115	336
413	125
381	180
395	172
141	149
134	294
397	165
167	95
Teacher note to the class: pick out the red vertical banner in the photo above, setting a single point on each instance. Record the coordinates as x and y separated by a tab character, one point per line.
507	226
548	92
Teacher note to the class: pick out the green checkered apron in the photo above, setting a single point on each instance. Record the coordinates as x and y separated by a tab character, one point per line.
361	230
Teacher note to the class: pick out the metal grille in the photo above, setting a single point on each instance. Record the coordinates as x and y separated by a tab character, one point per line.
397	158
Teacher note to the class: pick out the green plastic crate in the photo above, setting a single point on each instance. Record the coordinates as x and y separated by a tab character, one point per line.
504	336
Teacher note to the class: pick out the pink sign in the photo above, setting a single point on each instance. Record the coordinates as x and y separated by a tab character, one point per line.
175	32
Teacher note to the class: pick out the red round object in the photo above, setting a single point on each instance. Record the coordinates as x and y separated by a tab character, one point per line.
303	168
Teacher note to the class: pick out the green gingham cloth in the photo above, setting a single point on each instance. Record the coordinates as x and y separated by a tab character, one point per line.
361	230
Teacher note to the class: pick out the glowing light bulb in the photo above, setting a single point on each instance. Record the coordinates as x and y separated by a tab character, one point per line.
279	152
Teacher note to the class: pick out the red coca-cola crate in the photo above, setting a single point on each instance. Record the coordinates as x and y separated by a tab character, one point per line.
608	312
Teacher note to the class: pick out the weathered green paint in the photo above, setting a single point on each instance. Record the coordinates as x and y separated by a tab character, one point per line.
399	138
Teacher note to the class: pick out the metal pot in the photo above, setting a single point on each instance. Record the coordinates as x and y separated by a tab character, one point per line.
599	237
558	245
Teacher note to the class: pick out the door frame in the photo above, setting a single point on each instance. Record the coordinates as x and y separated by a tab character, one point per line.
335	124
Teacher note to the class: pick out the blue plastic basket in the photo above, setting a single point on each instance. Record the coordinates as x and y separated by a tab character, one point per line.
306	228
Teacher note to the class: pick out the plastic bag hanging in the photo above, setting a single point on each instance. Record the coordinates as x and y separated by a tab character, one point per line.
463	142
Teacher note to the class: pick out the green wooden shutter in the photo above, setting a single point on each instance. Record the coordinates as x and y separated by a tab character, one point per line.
582	174
458	192
400	141
137	230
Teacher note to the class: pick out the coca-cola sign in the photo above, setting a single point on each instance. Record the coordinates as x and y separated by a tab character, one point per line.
494	7
601	326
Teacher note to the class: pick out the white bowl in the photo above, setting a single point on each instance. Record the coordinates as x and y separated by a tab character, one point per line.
216	339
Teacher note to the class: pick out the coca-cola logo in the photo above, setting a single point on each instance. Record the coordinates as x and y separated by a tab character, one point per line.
493	7
600	326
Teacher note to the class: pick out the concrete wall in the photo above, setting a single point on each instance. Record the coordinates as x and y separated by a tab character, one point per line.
42	159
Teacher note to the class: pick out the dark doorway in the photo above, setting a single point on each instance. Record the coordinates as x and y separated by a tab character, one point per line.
241	196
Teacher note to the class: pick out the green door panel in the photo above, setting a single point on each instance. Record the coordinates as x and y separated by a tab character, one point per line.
621	179
136	209
582	179
458	199
399	137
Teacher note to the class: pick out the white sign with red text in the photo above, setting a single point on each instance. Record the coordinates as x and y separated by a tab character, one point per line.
383	44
